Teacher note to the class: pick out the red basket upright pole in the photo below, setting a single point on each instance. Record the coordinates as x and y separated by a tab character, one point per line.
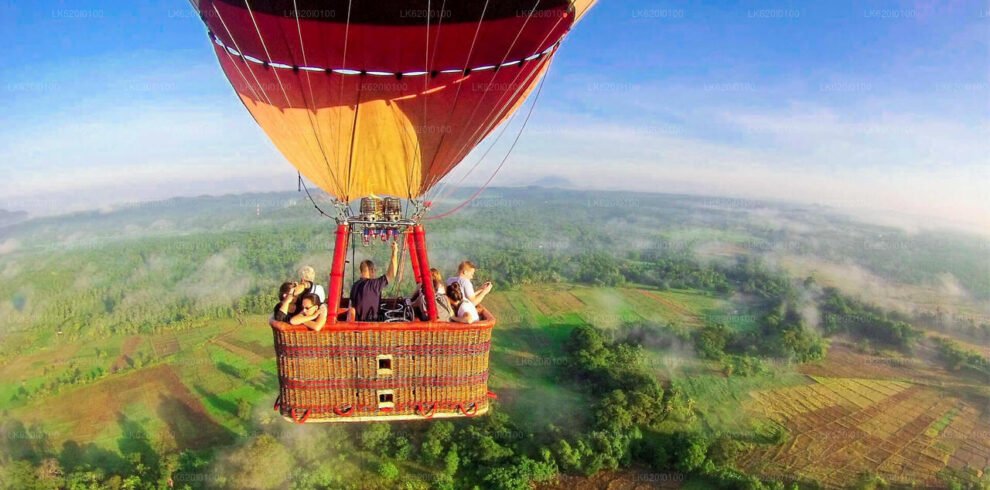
413	255
337	272
424	269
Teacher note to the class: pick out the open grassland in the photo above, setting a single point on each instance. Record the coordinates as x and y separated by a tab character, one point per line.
721	400
527	353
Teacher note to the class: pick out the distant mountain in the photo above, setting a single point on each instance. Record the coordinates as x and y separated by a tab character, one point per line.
10	217
552	181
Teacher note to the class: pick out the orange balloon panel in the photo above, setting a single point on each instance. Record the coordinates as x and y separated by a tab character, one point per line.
391	99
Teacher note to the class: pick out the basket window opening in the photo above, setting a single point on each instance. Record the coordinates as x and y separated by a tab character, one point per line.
384	365
386	399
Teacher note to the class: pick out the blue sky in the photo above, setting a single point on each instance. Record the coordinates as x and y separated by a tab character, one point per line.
879	106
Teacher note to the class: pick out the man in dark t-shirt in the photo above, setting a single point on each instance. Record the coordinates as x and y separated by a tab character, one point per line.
366	293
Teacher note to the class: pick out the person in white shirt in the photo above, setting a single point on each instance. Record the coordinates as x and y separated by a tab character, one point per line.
466	311
307	284
465	273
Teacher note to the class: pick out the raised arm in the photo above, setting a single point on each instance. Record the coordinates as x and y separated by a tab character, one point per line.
480	294
393	264
284	305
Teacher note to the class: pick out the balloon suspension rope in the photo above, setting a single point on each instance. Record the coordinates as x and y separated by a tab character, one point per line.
475	110
353	245
481	189
302	185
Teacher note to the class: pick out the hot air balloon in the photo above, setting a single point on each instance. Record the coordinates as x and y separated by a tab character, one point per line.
383	98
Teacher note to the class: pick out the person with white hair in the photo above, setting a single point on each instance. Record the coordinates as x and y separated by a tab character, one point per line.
307	284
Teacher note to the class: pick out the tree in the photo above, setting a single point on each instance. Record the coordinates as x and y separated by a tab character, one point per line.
480	447
437	437
403	449
691	455
244	409
613	411
262	463
869	481
388	471
520	475
724	450
710	341
451	461
375	438
569	459
84	478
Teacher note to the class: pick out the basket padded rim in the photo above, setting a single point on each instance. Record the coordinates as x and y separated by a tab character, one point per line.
487	321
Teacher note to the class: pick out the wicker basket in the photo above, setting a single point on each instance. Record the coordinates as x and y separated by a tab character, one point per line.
363	371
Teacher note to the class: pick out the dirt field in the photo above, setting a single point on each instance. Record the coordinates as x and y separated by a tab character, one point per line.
844	361
248	350
127	350
165	345
623	480
31	365
83	414
897	418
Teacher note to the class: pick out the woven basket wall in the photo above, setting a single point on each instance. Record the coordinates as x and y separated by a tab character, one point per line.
360	371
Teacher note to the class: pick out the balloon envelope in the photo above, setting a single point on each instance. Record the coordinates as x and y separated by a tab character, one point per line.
383	97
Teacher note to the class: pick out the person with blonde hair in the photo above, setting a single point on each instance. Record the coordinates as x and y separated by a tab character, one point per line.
465	273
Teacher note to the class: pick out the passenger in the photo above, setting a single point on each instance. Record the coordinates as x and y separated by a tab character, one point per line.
286	306
466	311
313	314
444	311
307	284
366	293
465	273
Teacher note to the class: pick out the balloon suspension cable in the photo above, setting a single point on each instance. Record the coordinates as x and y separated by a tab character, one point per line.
457	93
259	92
536	99
547	55
353	265
341	215
463	148
420	208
